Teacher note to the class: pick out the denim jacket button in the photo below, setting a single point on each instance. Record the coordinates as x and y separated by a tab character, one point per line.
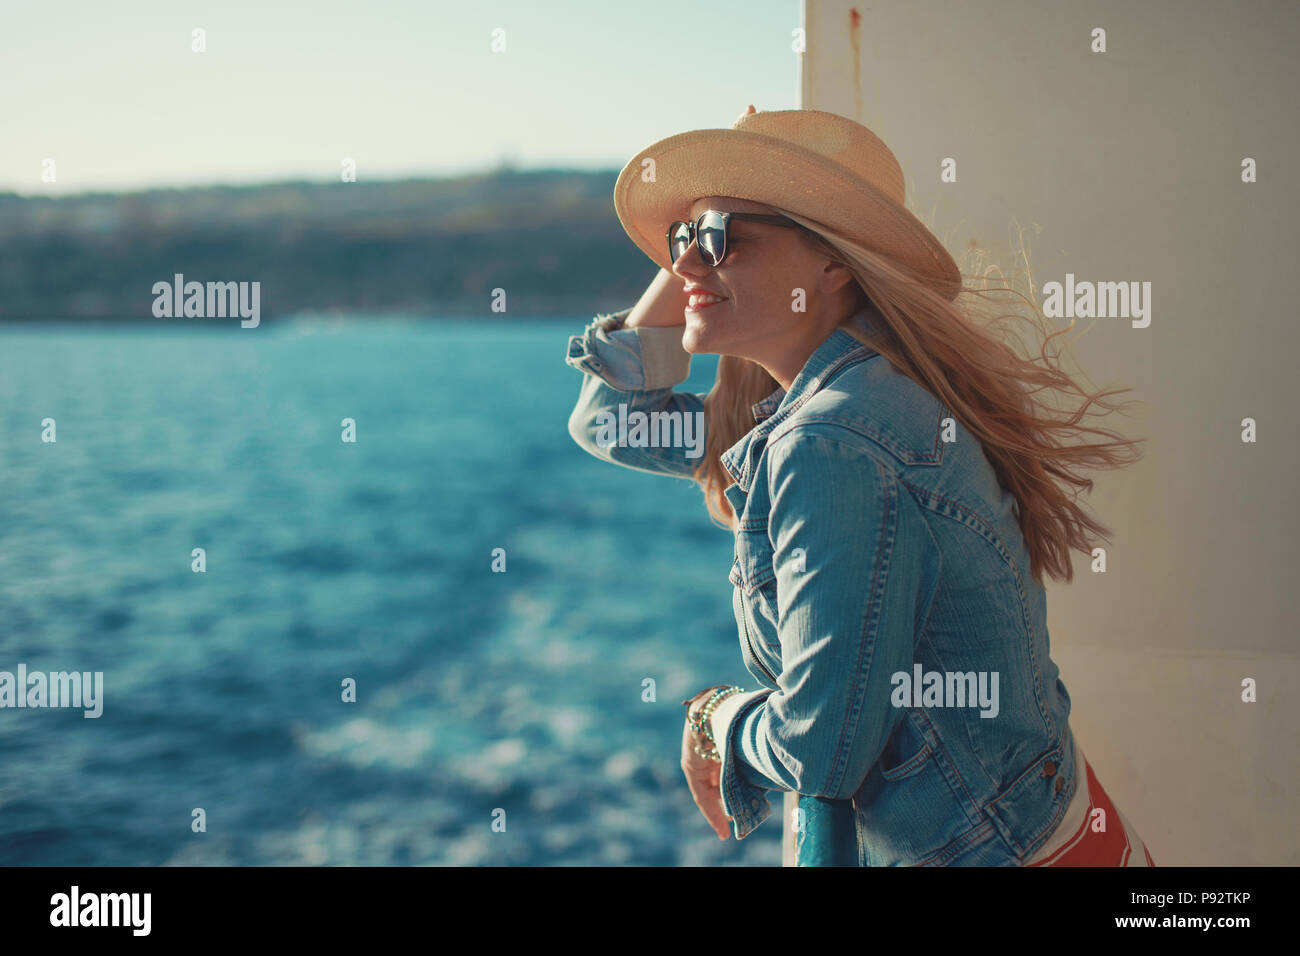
1049	768
1060	784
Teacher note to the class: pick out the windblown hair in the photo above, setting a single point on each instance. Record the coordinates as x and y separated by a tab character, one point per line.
954	350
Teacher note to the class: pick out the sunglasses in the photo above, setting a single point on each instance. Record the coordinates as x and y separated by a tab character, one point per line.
711	232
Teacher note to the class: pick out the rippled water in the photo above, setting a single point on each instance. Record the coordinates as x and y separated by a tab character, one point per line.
326	561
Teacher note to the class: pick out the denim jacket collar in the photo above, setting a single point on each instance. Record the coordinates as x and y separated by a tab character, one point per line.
740	459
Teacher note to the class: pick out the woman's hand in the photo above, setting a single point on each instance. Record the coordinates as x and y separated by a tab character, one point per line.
662	303
704	778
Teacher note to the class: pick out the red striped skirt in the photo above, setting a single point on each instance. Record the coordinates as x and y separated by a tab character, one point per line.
1079	839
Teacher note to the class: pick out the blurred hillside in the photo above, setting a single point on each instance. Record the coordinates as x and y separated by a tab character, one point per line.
550	238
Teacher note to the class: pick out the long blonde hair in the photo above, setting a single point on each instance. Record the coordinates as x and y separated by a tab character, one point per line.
953	350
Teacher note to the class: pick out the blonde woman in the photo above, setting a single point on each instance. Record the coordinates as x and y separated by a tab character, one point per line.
897	484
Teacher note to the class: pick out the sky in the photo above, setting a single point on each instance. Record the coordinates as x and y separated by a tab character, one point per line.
115	95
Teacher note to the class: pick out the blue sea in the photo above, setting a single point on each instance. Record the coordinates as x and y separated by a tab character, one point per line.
480	696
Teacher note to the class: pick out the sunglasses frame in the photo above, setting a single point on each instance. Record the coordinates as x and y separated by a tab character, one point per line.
693	232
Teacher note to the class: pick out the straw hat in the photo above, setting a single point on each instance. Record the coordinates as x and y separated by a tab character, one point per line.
815	164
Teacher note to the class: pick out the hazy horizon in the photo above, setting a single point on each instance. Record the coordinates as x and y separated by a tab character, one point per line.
121	102
302	181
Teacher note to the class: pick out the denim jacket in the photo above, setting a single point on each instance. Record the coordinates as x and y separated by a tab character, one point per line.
883	600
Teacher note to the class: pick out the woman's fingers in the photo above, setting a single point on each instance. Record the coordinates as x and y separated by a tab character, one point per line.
703	777
709	799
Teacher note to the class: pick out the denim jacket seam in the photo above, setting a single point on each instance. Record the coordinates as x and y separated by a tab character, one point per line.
938	577
984	531
773	424
978	833
905	457
866	444
988	782
870	624
924	496
974	807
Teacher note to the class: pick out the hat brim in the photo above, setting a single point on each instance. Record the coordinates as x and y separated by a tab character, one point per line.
772	171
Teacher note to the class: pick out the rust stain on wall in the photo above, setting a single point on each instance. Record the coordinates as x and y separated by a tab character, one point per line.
855	31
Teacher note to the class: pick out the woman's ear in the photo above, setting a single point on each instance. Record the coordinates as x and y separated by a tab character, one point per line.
835	276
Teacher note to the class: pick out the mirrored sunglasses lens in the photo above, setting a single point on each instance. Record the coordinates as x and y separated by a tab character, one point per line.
679	237
712	237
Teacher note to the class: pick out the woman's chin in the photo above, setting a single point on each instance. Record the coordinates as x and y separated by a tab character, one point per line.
693	340
696	338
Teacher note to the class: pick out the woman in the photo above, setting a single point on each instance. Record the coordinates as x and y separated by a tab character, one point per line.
897	490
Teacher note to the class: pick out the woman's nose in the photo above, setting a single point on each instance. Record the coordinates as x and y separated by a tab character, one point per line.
689	264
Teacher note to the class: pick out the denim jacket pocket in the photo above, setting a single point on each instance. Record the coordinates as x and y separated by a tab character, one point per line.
911	782
752	568
912	765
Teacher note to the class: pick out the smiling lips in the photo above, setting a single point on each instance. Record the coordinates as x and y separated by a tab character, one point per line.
700	301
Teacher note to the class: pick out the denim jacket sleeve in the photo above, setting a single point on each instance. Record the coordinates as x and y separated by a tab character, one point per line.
846	625
629	371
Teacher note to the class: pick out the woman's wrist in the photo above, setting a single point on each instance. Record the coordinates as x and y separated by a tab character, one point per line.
701	718
662	304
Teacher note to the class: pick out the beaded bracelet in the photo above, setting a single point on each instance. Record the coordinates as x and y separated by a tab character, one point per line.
690	700
701	723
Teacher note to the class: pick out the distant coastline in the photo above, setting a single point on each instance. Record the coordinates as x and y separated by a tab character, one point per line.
323	315
428	247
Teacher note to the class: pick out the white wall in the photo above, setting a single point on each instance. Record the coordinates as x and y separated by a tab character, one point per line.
1129	164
